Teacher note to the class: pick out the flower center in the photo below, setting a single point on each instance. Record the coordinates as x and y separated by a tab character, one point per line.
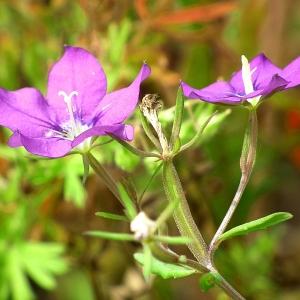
68	101
73	127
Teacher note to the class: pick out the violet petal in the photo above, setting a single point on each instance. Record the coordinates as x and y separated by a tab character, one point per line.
117	106
48	147
291	73
263	70
76	71
218	92
25	110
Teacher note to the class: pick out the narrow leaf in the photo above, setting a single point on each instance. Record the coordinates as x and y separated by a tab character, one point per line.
115	236
198	134
177	118
150	181
130	208
165	270
111	216
256	225
173	239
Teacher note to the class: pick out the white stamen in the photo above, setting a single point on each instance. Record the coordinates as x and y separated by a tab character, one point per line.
68	101
246	75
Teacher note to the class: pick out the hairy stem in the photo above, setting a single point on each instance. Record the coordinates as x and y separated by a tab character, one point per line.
247	161
182	215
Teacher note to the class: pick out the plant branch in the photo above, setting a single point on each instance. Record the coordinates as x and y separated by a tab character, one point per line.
247	161
182	215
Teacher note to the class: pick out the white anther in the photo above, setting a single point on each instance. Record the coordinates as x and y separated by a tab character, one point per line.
142	226
67	98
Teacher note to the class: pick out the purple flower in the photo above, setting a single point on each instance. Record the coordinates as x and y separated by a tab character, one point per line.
257	80
75	108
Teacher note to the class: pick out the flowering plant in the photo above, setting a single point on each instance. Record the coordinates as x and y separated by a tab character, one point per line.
77	108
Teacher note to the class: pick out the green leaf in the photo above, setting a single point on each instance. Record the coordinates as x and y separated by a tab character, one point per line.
177	118
208	281
127	202
115	236
42	261
19	285
256	225
110	216
199	133
165	270
172	239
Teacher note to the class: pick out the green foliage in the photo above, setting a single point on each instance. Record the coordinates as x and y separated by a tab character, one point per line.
165	270
40	262
196	114
256	225
208	281
257	255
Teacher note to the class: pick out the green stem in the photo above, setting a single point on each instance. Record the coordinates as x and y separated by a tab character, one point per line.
136	151
226	287
106	177
182	215
247	161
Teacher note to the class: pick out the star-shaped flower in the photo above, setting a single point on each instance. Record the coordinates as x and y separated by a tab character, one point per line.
254	82
76	107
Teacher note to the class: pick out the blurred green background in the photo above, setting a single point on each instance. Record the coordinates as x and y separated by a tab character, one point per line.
44	208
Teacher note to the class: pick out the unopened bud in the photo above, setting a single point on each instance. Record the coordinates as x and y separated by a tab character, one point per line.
151	102
142	226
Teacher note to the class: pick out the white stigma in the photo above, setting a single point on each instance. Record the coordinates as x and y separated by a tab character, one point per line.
247	80
142	226
246	75
68	101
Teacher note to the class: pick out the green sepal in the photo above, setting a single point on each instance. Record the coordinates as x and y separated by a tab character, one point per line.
256	225
165	270
148	130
